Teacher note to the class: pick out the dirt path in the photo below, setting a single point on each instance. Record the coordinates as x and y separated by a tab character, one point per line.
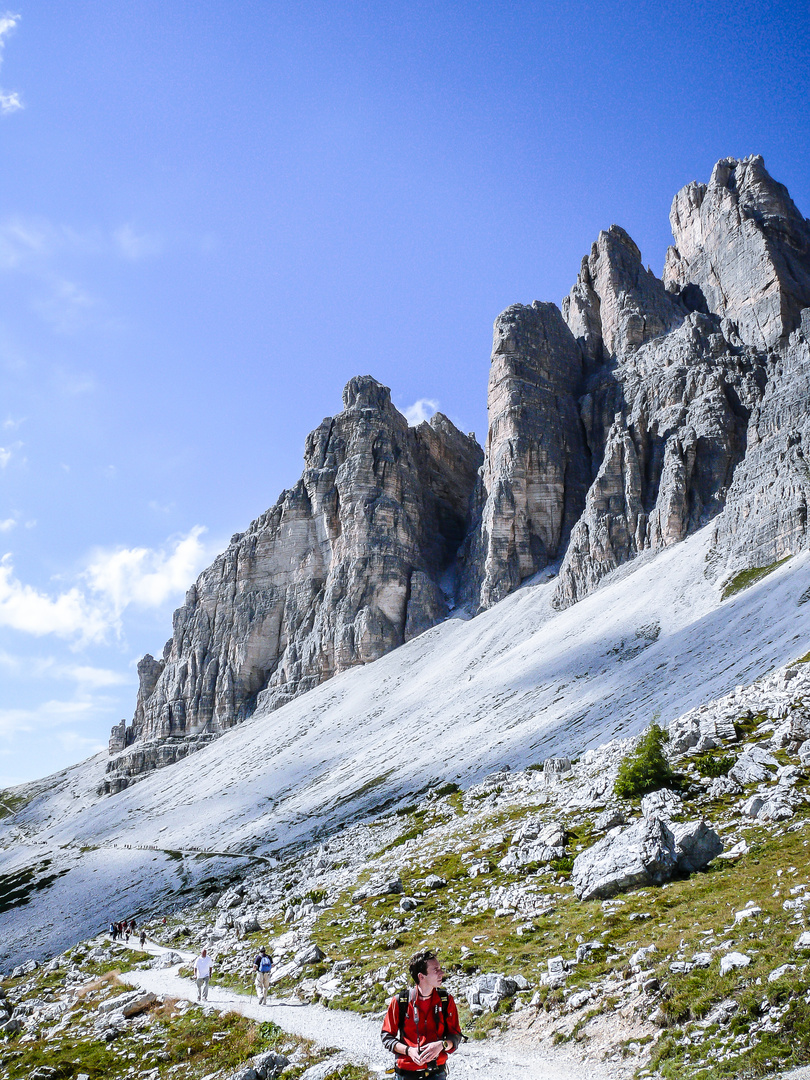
359	1036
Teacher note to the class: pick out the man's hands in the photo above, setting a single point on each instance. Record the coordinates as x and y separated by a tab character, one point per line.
427	1053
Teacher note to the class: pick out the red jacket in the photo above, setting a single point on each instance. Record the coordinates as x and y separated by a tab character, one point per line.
426	1026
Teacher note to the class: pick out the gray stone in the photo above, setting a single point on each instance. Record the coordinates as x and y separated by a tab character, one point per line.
696	844
609	819
246	924
642	854
586	950
664	803
311	954
753	766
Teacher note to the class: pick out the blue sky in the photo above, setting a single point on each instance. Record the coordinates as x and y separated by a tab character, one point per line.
212	216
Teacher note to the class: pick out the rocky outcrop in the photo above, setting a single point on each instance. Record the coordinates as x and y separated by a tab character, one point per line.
536	469
346	566
615	304
678	410
742	251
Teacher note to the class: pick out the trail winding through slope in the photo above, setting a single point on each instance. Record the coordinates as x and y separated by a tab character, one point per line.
359	1036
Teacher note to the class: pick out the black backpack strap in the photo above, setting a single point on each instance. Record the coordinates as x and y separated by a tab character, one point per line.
403	997
440	990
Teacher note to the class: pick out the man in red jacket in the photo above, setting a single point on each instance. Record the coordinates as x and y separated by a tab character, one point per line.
421	1026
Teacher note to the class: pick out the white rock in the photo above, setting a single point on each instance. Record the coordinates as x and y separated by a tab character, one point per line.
664	803
733	960
777	973
749	912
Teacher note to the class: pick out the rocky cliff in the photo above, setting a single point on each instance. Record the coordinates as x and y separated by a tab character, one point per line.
691	391
346	566
621	423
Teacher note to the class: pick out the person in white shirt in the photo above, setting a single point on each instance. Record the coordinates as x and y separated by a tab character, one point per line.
202	973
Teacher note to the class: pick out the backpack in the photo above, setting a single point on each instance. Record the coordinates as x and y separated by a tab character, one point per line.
265	964
403	1000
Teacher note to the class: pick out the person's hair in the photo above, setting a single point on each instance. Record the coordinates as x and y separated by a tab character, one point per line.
417	965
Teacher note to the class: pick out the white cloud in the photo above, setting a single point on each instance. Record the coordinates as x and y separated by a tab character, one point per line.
9	101
85	676
65	306
134	245
90	610
50	715
68	615
8	524
145	577
420	411
9	452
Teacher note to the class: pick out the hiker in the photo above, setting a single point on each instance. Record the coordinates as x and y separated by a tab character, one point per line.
262	965
202	973
142	938
421	1025
113	932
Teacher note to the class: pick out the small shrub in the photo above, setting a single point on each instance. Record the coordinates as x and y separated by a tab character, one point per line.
712	766
645	768
447	789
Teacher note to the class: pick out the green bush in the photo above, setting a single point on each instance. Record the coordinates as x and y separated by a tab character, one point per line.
712	765
645	768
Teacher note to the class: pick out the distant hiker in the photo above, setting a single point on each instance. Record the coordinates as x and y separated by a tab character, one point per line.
113	931
263	966
202	973
142	938
421	1025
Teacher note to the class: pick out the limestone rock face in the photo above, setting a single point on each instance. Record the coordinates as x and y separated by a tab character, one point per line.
742	251
766	514
615	304
672	417
536	470
344	567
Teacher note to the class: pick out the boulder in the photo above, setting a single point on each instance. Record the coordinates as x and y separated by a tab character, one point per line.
753	766
696	844
246	924
609	819
642	854
664	803
311	954
733	960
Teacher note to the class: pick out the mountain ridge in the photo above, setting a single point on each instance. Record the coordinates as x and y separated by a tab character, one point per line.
619	423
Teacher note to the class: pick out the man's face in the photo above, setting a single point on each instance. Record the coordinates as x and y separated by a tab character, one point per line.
432	979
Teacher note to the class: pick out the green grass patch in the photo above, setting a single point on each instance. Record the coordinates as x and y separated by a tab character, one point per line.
746	578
